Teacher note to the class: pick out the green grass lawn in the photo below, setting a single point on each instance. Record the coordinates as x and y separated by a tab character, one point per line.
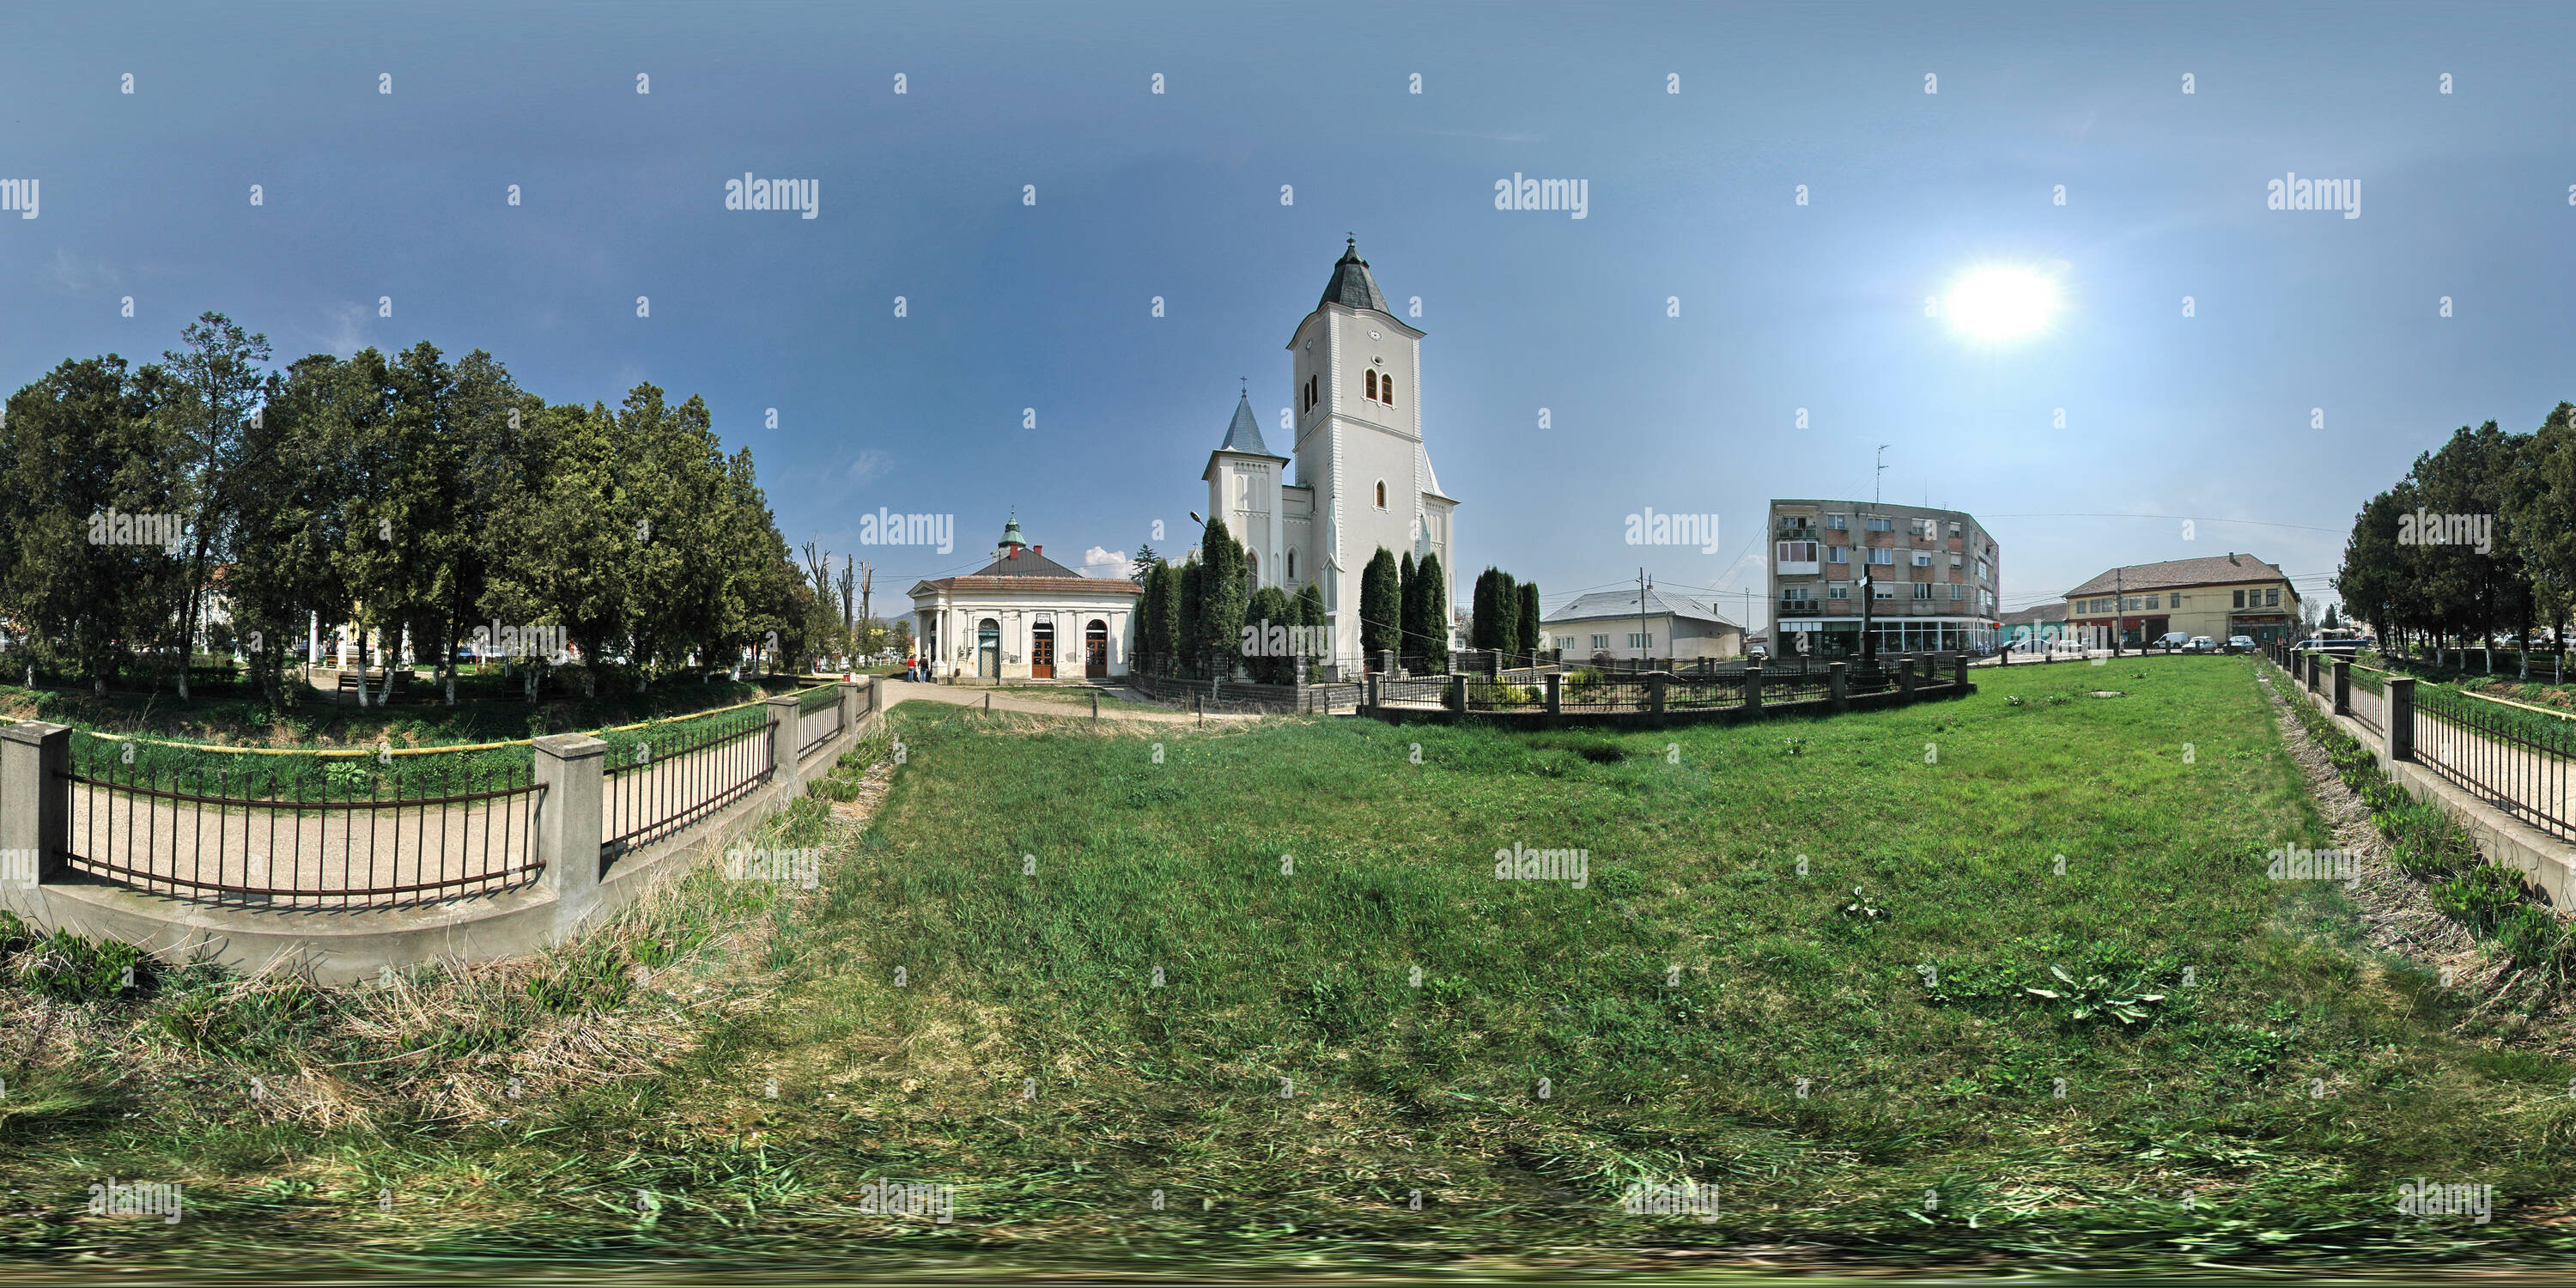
1309	907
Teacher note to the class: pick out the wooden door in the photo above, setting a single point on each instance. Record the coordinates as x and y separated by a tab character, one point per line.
1095	649
1042	651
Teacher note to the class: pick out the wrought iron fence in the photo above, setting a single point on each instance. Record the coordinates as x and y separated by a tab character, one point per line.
814	727
2369	698
1505	694
1597	691
367	835
657	786
1418	690
1703	692
2514	758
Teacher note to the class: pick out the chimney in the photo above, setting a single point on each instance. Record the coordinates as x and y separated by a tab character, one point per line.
1038	549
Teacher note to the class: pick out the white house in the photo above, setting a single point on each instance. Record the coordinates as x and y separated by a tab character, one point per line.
1364	478
1026	617
1609	622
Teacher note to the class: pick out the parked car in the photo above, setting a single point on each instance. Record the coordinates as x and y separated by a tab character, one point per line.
2173	641
2201	644
2340	646
2240	643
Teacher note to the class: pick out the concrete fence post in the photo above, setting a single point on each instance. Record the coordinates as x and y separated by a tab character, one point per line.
35	803
1905	677
2342	687
783	720
1834	692
1376	696
877	697
1458	691
1959	670
1556	693
2400	717
850	705
1753	688
1655	692
570	827
2315	682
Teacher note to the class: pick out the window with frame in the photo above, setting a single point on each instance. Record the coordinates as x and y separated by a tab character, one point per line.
1600	641
1381	494
1882	590
1796	594
1954	527
1882	525
1882	555
1922	590
2151	603
2272	598
1797	551
1958	591
2240	599
2130	605
1835	522
1638	641
1958	561
1372	384
1922	559
1838	590
1838	554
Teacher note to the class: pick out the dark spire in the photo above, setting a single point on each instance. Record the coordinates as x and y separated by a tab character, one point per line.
1351	285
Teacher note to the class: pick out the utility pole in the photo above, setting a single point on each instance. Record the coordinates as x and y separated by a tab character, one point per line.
867	619
1645	642
2119	606
1869	579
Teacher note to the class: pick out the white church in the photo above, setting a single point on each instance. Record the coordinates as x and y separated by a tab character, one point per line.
1363	479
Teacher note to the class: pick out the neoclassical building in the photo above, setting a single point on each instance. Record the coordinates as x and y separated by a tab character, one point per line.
1364	478
1026	617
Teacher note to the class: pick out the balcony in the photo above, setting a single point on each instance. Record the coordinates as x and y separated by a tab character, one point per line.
1797	608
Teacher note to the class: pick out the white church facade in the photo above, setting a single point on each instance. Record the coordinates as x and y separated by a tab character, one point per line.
1363	475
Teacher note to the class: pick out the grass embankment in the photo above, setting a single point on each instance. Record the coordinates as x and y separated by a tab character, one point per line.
1851	1052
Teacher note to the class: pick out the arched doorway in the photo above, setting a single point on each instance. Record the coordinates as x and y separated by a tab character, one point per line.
1095	650
988	649
1042	651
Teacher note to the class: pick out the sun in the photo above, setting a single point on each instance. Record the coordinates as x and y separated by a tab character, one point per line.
2001	303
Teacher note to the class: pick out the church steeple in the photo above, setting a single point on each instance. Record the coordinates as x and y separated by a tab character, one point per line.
1351	286
1243	434
1012	541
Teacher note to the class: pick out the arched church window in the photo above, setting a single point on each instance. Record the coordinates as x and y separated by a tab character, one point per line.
1251	570
1292	565
1381	494
1386	390
1372	384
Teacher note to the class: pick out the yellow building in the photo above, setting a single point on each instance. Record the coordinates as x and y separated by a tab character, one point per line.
2220	596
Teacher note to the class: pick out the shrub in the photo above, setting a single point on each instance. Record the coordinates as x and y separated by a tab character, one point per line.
70	968
2531	936
2479	897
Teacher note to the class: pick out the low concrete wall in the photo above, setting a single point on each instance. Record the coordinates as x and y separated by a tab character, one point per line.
2548	861
346	946
1924	691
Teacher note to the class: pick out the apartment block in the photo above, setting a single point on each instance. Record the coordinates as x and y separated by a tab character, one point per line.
1929	578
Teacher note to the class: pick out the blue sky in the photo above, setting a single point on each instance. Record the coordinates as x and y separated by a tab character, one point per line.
402	195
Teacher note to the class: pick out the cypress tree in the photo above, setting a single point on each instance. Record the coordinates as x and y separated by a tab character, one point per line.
1529	633
1191	656
1310	614
1381	605
1434	605
1409	619
1222	595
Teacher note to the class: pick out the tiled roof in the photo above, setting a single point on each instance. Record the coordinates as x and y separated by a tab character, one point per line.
2036	614
1027	563
1617	603
1351	285
2211	570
